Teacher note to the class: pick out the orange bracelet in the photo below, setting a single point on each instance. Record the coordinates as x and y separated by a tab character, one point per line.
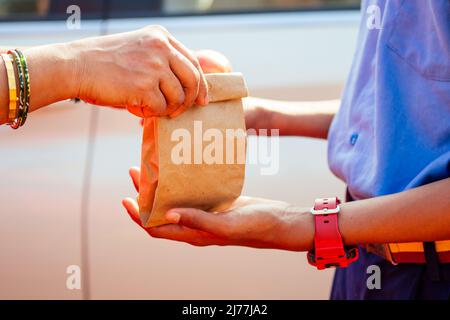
12	87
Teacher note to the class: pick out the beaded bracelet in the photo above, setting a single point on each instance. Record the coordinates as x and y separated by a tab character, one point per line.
23	61
24	87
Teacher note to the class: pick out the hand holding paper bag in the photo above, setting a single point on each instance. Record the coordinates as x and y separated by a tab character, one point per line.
251	222
184	177
198	158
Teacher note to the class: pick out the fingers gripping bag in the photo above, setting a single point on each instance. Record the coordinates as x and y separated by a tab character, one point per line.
197	159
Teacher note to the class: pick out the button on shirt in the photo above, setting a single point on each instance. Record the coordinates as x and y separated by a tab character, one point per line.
392	132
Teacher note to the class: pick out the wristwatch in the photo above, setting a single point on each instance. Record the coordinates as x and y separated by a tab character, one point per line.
329	249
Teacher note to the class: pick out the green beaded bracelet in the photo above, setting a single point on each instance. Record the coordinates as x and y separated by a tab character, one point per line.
24	87
24	64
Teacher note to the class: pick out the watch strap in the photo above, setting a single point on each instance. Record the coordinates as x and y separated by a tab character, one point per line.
329	249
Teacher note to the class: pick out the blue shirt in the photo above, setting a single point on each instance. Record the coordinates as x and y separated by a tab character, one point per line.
392	132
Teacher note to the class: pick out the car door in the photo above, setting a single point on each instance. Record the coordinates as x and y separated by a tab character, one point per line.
43	169
285	52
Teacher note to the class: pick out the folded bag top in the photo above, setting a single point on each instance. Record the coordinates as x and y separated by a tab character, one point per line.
197	159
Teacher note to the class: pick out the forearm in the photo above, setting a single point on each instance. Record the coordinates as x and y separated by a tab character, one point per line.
420	214
52	71
416	215
292	118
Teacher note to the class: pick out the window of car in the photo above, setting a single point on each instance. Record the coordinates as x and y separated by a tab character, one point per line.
13	10
96	9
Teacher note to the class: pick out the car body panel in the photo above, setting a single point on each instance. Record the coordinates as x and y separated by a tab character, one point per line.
42	166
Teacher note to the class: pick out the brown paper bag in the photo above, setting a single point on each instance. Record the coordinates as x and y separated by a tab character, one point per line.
195	160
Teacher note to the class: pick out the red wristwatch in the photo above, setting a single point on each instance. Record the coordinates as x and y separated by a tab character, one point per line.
329	250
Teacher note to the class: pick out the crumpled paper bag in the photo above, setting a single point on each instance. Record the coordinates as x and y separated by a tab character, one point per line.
195	160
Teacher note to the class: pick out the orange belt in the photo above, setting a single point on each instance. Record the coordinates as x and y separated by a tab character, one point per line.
411	252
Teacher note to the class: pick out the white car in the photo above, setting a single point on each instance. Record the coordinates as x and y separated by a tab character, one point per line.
64	173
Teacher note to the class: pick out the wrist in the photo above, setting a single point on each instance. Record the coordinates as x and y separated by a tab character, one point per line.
72	68
275	114
329	248
299	231
257	115
52	70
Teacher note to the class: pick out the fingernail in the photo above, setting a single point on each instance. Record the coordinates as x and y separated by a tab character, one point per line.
173	217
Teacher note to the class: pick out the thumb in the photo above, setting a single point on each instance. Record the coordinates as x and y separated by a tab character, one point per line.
135	173
133	209
199	219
